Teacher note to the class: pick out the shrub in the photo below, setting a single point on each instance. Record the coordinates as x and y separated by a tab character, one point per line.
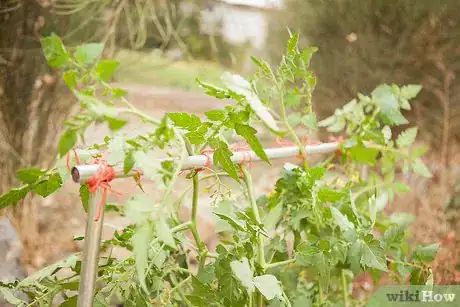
335	216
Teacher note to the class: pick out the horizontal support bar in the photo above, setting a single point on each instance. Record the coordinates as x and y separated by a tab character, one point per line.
81	173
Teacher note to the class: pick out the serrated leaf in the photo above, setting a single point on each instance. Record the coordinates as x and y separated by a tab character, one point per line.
216	115
222	156
88	53
291	48
269	286
426	253
410	91
310	121
140	241
29	175
373	256
329	195
406	138
164	233
418	151
242	271
235	224
249	134
242	87
67	141
13	196
420	168
186	121
341	220
49	186
402	218
306	253
393	236
262	64
106	68
54	51
327	121
360	153
389	107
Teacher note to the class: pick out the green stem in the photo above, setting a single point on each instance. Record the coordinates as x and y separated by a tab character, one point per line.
344	288
291	131
177	286
297	238
194	228
277	264
260	238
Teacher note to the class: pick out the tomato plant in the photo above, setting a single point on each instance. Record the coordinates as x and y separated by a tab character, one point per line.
332	213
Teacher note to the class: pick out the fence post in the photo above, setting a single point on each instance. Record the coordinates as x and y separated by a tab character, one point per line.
90	253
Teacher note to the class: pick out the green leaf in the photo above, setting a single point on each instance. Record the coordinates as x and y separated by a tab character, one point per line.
295	119
67	141
128	162
139	208
329	195
307	54
401	187
239	85
410	91
249	134
235	224
426	253
88	53
84	196
269	286
70	302
29	175
106	68
13	196
262	64
242	271
206	274
306	253
185	121
54	51
116	123
360	153
291	48
140	241
49	186
70	78
222	156
402	218
418	151
310	121
164	233
10	298
389	107
420	168
373	255
406	138
216	115
393	236
341	220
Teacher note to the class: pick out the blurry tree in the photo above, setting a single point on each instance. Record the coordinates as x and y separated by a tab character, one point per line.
366	43
31	115
28	92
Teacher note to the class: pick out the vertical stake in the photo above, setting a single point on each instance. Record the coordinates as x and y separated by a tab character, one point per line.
90	253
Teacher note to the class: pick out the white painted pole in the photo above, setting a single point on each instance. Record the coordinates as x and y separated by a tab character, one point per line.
81	173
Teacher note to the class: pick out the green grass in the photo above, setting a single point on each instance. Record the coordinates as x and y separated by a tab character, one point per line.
153	69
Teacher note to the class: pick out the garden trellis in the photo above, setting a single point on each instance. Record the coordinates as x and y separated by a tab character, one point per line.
82	173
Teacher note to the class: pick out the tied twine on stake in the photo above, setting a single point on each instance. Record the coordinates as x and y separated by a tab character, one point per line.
101	179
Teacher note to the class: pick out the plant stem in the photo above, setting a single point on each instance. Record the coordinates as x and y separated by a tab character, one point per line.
344	288
260	238
177	286
277	264
193	228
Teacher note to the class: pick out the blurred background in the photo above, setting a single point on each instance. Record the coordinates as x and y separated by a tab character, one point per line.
163	45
